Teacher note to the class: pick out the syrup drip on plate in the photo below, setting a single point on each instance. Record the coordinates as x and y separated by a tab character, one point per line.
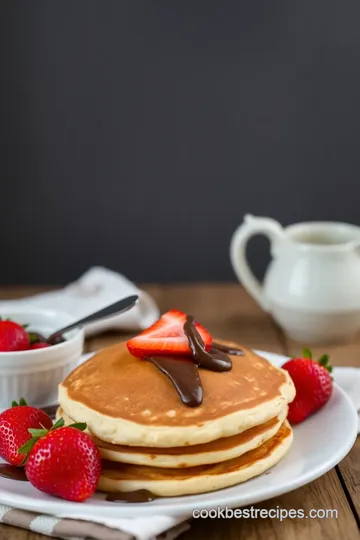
13	473
138	496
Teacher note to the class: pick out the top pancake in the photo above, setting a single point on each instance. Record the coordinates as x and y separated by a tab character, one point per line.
126	400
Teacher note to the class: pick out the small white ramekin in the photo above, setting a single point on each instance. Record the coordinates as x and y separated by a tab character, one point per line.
36	374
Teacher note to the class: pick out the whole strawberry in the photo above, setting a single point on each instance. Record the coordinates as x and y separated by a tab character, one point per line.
63	462
13	337
313	385
14	429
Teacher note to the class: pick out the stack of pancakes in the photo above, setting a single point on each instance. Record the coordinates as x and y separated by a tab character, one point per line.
150	440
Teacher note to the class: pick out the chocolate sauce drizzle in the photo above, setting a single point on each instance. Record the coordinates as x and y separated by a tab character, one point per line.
229	350
138	496
214	360
12	472
184	375
183	372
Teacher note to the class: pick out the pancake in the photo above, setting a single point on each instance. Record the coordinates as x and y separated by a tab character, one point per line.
189	456
127	401
118	477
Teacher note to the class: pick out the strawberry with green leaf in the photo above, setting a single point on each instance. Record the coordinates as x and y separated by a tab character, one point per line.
14	429
313	384
62	461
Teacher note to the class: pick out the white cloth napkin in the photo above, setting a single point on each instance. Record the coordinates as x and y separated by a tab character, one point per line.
80	528
143	528
96	289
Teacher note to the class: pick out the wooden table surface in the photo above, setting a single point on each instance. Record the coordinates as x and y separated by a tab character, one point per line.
228	312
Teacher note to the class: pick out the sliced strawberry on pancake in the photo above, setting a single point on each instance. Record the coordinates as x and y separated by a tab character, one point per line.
166	337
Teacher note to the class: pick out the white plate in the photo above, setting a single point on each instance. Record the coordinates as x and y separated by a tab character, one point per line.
319	444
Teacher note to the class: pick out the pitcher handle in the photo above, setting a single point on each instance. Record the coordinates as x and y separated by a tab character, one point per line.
252	225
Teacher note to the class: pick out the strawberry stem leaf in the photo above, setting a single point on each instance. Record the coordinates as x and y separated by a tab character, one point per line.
21	403
79	425
306	353
324	361
60	423
37	432
27	447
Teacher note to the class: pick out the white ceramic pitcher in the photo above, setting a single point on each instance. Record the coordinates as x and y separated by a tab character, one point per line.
312	286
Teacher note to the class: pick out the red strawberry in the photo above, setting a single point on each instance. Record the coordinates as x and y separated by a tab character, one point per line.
39	345
13	337
166	336
313	385
14	425
63	462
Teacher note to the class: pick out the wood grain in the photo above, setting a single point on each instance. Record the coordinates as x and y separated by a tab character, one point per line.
14	533
227	311
341	355
326	492
349	471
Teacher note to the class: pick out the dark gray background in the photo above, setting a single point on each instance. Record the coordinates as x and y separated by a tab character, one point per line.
136	134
